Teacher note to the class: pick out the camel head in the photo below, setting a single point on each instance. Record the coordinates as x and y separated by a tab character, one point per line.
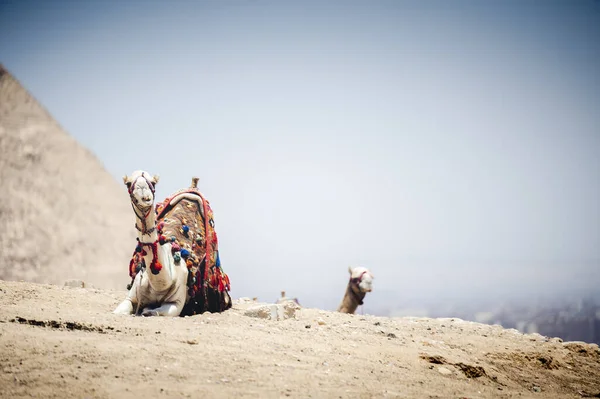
140	185
362	278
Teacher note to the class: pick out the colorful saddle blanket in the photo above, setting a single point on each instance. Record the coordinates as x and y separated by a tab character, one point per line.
185	220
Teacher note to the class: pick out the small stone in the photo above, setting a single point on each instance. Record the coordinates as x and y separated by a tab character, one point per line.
536	389
307	326
272	312
321	322
444	371
73	283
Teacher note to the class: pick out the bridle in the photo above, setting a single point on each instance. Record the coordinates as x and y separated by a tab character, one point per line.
355	282
155	265
358	280
134	204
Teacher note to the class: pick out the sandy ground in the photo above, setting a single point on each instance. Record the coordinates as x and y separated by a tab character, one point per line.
65	342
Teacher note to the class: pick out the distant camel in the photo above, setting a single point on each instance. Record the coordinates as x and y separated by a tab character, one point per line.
361	281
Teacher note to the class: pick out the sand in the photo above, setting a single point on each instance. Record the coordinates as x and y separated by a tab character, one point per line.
65	342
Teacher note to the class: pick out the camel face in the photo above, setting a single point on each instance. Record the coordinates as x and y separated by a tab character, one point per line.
366	284
141	188
363	277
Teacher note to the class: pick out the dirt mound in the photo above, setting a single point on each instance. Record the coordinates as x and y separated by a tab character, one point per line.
62	215
64	342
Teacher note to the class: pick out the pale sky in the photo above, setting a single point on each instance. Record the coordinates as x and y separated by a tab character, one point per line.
452	147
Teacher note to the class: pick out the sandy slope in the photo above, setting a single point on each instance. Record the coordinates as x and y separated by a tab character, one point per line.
64	342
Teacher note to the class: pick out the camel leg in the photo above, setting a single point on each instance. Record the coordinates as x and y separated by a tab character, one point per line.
125	307
170	309
173	305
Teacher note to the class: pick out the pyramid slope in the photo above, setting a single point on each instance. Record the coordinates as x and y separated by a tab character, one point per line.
62	215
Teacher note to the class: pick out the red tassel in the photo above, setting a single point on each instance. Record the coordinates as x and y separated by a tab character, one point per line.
131	268
156	266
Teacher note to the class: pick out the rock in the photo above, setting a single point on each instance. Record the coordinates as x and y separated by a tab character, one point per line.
583	348
321	322
471	371
536	389
290	309
244	301
73	283
444	371
433	359
264	312
272	312
537	337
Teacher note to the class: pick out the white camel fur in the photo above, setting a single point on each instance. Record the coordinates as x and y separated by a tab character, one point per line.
166	288
361	282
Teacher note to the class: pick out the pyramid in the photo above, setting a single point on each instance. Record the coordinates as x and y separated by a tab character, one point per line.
62	215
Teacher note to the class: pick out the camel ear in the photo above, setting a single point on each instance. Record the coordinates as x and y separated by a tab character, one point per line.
350	270
126	180
155	179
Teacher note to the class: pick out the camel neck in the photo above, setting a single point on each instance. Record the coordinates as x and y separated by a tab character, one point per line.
146	226
356	297
352	300
156	254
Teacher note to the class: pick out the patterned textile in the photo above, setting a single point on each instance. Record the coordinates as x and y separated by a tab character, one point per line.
186	221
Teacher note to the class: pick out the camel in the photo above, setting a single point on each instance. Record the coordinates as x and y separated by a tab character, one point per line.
361	281
175	268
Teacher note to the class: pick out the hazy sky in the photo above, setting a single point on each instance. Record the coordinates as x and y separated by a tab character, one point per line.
451	147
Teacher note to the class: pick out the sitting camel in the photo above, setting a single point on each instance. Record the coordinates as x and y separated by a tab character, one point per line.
361	281
175	267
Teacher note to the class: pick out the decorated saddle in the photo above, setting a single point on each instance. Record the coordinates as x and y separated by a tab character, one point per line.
185	220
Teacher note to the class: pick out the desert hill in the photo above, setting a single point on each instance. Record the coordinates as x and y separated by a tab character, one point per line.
61	214
61	342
